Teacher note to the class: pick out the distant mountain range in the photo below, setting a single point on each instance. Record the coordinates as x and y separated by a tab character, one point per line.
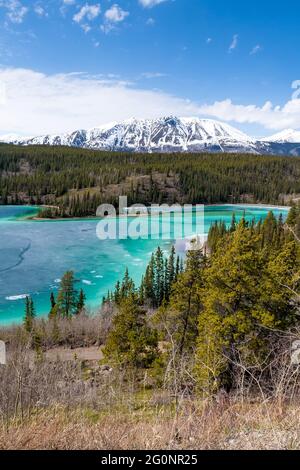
169	134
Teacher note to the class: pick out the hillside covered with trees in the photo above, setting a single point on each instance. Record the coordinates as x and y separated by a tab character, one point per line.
77	181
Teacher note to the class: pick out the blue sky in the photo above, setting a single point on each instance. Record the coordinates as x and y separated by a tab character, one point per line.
72	63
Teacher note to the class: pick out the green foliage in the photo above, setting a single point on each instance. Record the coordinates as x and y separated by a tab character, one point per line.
29	315
75	181
156	284
222	308
293	220
131	342
179	317
53	310
161	273
67	298
249	291
81	302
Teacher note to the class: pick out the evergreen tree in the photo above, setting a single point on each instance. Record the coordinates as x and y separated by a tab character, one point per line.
159	277
53	310
180	316
131	342
67	298
127	287
233	223
81	302
29	315
245	297
148	283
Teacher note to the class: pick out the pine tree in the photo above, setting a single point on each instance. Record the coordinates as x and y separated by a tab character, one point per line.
170	273
29	315
52	300
179	318
178	267
131	342
81	302
249	291
117	293
53	310
67	298
233	223
127	286
148	284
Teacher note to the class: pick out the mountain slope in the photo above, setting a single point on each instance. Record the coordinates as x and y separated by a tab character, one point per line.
286	136
170	134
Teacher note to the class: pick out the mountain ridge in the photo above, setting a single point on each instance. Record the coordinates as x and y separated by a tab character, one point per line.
169	134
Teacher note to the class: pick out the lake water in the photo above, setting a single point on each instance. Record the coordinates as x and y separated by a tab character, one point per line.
35	254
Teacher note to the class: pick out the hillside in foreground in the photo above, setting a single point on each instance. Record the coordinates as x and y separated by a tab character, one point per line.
199	356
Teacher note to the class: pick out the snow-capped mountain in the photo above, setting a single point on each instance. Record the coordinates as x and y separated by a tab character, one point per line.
286	136
168	134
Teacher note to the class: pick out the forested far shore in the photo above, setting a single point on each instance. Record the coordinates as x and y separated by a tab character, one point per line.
76	181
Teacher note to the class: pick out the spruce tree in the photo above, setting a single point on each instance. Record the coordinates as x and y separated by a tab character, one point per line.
67	298
249	291
179	318
159	277
29	315
131	342
53	310
81	302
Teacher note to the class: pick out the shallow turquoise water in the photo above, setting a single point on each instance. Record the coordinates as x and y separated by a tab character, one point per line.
35	254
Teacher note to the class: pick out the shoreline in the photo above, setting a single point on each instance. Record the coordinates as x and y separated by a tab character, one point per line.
241	205
214	212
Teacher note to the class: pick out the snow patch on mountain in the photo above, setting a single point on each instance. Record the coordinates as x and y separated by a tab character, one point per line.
169	134
151	135
285	136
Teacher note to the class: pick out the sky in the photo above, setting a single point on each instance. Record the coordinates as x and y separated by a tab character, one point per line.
76	64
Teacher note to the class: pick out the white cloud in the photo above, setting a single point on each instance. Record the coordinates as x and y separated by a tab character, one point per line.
150	21
65	5
40	10
150	75
150	3
15	10
87	12
255	49
86	27
234	43
65	102
269	116
115	14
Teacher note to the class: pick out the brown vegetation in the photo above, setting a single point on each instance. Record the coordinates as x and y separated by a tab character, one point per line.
71	401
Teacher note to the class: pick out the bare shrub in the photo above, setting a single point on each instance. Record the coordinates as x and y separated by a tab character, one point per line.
86	329
76	404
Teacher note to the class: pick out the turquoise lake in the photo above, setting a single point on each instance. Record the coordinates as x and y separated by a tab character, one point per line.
35	254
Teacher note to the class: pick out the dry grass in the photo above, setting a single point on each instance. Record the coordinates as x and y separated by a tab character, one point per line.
63	398
84	330
202	426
